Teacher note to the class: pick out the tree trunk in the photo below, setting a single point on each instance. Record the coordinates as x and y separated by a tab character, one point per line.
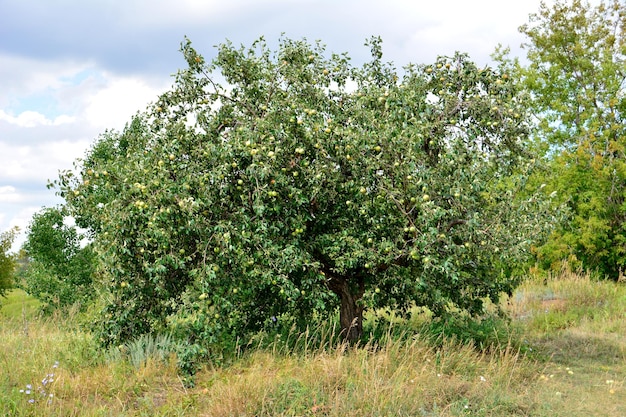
350	312
351	319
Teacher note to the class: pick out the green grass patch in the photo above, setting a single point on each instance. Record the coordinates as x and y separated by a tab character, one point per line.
18	304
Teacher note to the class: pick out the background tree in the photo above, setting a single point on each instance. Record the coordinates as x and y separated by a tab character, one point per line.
577	75
60	270
305	185
7	260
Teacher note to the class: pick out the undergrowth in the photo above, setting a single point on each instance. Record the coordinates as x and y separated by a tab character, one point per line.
561	353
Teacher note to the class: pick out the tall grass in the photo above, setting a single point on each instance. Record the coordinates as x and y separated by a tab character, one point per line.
563	354
569	299
406	376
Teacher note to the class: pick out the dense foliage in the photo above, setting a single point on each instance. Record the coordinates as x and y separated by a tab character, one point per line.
303	185
7	260
577	75
60	270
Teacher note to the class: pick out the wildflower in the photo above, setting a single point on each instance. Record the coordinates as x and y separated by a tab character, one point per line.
482	379
42	389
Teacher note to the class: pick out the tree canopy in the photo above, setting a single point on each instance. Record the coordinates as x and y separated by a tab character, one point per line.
7	260
576	77
60	269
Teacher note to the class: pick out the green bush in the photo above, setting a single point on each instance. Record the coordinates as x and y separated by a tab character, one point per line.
7	260
60	271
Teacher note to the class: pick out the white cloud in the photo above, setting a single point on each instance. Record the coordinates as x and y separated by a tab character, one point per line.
37	164
22	76
113	106
9	194
32	118
21	219
186	12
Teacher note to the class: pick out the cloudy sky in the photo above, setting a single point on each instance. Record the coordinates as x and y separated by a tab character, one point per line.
70	69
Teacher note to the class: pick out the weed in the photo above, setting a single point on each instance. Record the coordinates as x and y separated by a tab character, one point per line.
156	347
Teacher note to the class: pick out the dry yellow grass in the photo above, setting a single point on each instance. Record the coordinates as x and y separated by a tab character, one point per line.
575	366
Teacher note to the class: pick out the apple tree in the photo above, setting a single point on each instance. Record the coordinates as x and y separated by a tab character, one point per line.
294	184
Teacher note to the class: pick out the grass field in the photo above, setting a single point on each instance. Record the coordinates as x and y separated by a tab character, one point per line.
18	304
566	356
